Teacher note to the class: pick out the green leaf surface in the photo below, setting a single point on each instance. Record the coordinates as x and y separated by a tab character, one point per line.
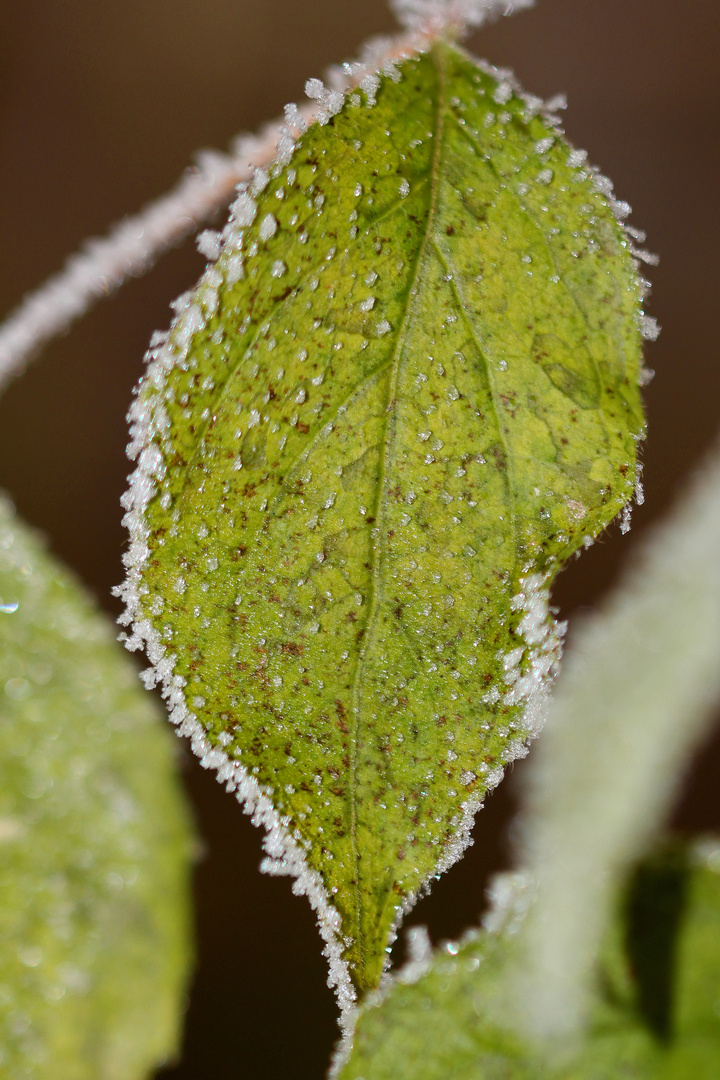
95	839
656	1008
404	395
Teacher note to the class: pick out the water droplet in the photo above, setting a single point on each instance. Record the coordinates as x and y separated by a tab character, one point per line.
30	956
17	689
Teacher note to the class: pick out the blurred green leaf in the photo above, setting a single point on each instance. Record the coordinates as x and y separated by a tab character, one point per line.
657	1007
95	839
406	393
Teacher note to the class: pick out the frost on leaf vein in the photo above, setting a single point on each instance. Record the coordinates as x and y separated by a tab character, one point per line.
355	484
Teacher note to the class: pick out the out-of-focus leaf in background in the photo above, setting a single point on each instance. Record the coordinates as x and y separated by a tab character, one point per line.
95	839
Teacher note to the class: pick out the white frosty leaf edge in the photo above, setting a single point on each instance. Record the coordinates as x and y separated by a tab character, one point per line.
529	684
148	422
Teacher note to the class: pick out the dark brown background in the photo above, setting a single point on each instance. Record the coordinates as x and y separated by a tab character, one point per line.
101	108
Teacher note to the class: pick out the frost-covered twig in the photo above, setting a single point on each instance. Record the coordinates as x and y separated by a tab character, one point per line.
129	249
635	697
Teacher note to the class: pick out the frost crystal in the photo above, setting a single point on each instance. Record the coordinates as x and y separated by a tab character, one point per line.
417	14
208	244
268	227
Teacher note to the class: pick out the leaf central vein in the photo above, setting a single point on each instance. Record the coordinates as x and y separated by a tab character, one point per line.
379	547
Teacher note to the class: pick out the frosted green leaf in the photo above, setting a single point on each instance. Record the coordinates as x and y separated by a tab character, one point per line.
655	1015
94	839
403	396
